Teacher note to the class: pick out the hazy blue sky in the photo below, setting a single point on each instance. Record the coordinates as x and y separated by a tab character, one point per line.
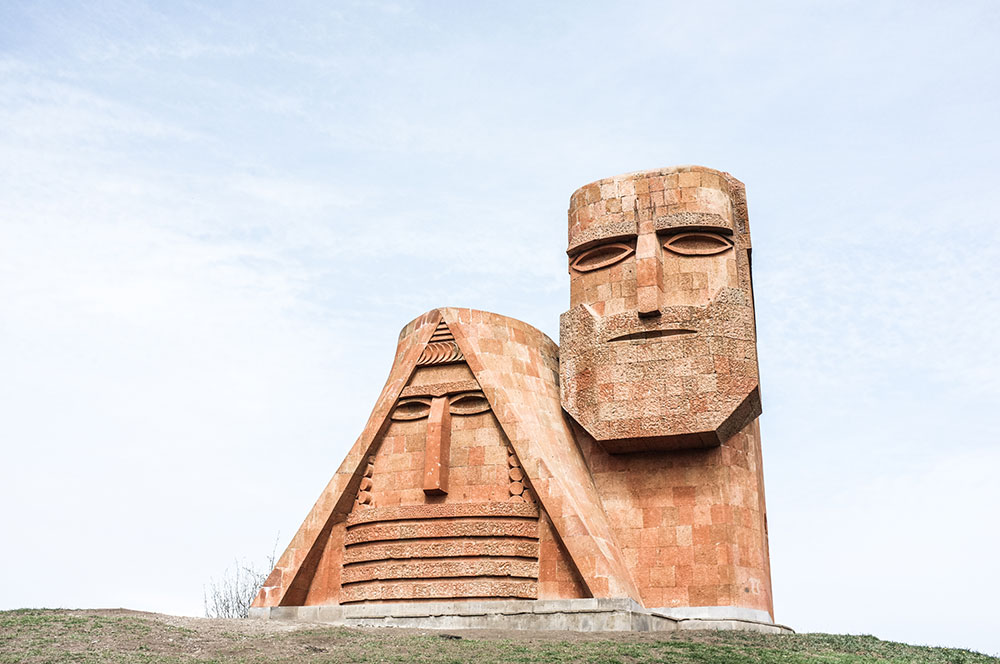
214	220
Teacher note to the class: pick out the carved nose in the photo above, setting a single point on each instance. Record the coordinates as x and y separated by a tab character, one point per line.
438	448
648	275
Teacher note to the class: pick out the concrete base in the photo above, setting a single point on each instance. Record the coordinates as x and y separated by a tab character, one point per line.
578	615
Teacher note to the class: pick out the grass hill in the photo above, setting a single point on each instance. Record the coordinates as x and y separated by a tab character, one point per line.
82	637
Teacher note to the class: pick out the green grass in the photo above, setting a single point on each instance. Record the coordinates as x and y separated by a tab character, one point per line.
85	637
725	648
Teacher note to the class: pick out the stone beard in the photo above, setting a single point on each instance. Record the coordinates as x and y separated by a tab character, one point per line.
658	349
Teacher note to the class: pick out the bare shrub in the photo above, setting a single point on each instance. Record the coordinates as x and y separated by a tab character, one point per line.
232	595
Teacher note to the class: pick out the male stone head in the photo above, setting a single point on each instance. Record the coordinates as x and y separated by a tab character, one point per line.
658	349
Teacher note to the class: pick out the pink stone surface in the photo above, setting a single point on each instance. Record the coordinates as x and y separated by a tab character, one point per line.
479	475
658	348
505	423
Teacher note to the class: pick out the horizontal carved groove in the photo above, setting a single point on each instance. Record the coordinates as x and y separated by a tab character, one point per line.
406	530
453	588
426	599
441	568
652	334
442	520
442	333
441	511
441	548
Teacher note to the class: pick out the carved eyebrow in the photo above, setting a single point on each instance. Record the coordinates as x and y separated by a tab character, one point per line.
440	389
600	233
677	230
690	222
576	250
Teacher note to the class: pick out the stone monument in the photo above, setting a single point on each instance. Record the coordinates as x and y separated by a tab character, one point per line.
612	483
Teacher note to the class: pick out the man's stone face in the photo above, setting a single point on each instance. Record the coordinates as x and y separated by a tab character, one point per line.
658	348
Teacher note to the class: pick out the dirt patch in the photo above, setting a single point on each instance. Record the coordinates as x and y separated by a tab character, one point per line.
119	635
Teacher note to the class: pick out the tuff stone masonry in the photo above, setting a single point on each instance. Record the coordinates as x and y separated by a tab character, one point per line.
614	482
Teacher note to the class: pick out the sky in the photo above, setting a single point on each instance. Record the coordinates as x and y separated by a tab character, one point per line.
215	219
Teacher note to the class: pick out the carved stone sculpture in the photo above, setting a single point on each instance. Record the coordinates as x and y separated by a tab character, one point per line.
623	466
658	369
658	348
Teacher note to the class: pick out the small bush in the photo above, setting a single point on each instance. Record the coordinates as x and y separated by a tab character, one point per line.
232	595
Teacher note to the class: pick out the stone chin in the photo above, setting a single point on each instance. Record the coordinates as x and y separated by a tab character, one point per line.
685	379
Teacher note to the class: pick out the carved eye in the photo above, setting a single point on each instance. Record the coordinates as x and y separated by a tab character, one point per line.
697	244
602	256
470	403
411	409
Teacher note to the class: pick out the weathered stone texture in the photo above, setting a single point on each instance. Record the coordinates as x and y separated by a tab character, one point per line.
658	349
502	402
624	466
691	523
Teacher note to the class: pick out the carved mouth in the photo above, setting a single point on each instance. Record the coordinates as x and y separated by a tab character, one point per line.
651	334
